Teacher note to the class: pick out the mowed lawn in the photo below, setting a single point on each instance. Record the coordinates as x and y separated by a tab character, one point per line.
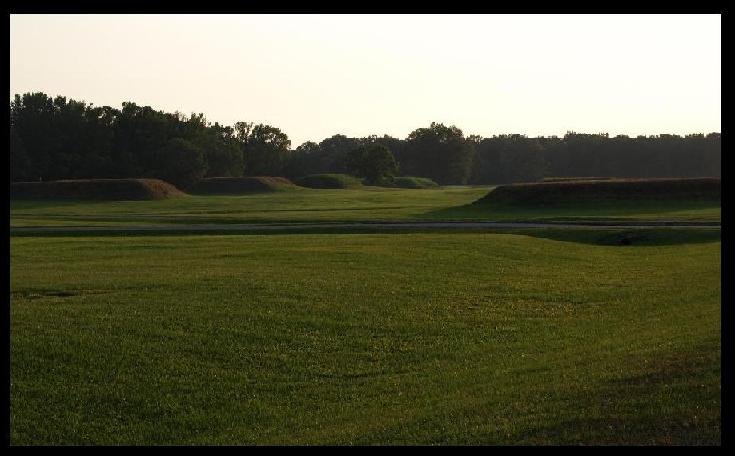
363	339
337	205
301	205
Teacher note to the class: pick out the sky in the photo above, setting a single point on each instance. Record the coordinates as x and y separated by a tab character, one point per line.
314	76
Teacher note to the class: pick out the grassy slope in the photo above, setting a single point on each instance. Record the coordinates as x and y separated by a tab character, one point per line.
358	339
242	185
97	189
682	210
370	203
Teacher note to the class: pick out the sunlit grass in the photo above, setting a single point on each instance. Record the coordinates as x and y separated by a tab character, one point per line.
363	339
323	205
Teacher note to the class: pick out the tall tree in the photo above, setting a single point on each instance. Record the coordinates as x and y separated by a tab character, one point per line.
266	151
179	162
439	152
374	162
304	160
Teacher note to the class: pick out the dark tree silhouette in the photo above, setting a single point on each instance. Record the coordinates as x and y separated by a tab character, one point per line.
60	138
266	151
179	162
374	162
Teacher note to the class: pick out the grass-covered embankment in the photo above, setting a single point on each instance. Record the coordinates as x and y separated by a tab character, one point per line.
614	191
95	189
682	199
575	178
242	185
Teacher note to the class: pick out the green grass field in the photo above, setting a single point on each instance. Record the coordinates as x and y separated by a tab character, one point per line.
305	205
424	338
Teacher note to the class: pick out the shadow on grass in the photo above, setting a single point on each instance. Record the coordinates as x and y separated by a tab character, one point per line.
629	237
599	237
657	398
673	400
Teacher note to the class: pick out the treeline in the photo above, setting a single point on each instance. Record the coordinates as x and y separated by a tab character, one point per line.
58	138
516	158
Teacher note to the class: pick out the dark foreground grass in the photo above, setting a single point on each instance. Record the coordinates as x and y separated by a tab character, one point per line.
363	339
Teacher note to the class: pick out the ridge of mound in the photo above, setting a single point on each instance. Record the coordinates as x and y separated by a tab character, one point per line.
576	178
95	189
613	190
329	181
242	185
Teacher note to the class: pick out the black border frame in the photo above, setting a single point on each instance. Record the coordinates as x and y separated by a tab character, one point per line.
727	446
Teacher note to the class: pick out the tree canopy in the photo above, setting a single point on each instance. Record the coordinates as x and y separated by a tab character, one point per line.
60	138
374	162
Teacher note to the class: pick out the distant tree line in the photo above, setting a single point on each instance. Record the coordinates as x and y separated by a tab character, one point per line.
59	138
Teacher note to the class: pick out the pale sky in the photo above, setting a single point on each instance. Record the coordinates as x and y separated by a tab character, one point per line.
314	76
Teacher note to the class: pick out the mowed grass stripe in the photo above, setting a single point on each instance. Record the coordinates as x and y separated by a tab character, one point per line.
363	339
300	205
335	205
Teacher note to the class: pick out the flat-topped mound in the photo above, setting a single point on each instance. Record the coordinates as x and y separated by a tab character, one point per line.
413	182
95	189
606	191
329	181
576	178
242	185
